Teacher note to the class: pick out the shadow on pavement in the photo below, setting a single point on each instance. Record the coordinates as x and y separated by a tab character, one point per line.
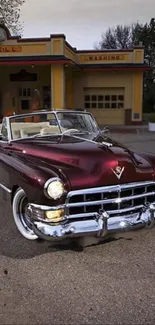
13	245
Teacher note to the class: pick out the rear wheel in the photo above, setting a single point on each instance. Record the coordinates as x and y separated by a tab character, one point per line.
22	221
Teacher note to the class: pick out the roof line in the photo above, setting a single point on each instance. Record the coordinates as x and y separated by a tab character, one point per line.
106	51
19	39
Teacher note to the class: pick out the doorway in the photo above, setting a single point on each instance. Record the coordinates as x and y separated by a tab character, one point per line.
25	97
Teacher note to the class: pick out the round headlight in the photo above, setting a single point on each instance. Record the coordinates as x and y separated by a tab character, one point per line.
54	188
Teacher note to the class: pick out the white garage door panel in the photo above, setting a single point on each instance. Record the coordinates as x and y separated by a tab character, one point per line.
103	118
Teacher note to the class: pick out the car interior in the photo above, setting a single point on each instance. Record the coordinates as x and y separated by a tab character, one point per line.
23	130
27	129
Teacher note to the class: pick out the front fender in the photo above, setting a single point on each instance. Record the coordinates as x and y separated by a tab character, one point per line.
150	157
31	176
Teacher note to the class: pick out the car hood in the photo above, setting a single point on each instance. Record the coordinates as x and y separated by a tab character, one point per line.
89	161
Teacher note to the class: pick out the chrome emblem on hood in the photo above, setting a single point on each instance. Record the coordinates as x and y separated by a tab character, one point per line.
118	171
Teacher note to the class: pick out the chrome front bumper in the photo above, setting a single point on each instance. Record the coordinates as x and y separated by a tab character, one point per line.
100	225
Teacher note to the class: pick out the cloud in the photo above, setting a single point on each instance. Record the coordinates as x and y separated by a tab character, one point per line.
82	21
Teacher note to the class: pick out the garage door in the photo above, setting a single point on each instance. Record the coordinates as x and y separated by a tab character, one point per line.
106	104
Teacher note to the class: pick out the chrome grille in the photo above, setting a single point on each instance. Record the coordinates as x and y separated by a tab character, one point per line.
117	200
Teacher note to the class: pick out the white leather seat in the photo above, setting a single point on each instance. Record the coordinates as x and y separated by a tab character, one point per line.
50	129
23	133
16	134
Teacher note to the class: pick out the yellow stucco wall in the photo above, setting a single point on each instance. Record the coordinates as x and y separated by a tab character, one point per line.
104	117
23	49
69	89
70	54
58	86
137	94
137	56
68	81
106	79
98	79
105	58
57	46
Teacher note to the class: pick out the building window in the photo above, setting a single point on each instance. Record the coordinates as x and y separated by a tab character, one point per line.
104	101
25	96
24	92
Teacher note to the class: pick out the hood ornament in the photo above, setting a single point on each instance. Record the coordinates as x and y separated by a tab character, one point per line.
118	171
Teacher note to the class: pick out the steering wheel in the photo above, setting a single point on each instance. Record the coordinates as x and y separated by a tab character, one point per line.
70	130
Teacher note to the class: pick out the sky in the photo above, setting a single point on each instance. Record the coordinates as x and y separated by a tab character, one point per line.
82	21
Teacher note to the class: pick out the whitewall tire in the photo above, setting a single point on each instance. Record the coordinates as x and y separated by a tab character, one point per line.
21	219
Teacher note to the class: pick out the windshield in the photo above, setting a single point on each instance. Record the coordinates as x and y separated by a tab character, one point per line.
76	121
45	124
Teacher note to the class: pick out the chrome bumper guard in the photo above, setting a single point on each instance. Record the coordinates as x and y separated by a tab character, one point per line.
100	225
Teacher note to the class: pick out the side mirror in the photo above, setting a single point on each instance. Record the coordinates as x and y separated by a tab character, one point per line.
105	129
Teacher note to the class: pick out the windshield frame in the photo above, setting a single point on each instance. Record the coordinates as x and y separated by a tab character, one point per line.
56	113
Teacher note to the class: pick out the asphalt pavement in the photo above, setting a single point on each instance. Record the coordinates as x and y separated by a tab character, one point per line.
111	283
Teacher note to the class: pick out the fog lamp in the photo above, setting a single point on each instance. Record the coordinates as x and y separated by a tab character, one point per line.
55	216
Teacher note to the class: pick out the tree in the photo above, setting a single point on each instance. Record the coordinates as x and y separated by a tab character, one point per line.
120	37
148	36
128	36
10	15
116	38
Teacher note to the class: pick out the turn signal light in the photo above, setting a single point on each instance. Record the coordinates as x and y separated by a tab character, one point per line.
55	216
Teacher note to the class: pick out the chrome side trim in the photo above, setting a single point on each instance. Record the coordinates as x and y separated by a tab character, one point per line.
6	189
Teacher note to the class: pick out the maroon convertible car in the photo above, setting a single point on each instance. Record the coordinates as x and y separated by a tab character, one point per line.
63	178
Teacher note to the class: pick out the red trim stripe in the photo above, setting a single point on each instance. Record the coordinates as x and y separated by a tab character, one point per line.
34	62
119	68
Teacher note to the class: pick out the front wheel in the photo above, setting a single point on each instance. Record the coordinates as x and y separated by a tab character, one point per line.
22	221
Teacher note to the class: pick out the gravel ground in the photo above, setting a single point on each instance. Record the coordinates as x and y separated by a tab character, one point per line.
111	283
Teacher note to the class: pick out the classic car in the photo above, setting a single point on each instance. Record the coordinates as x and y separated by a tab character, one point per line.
64	178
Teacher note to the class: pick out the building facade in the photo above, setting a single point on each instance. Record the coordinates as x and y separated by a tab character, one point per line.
108	84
